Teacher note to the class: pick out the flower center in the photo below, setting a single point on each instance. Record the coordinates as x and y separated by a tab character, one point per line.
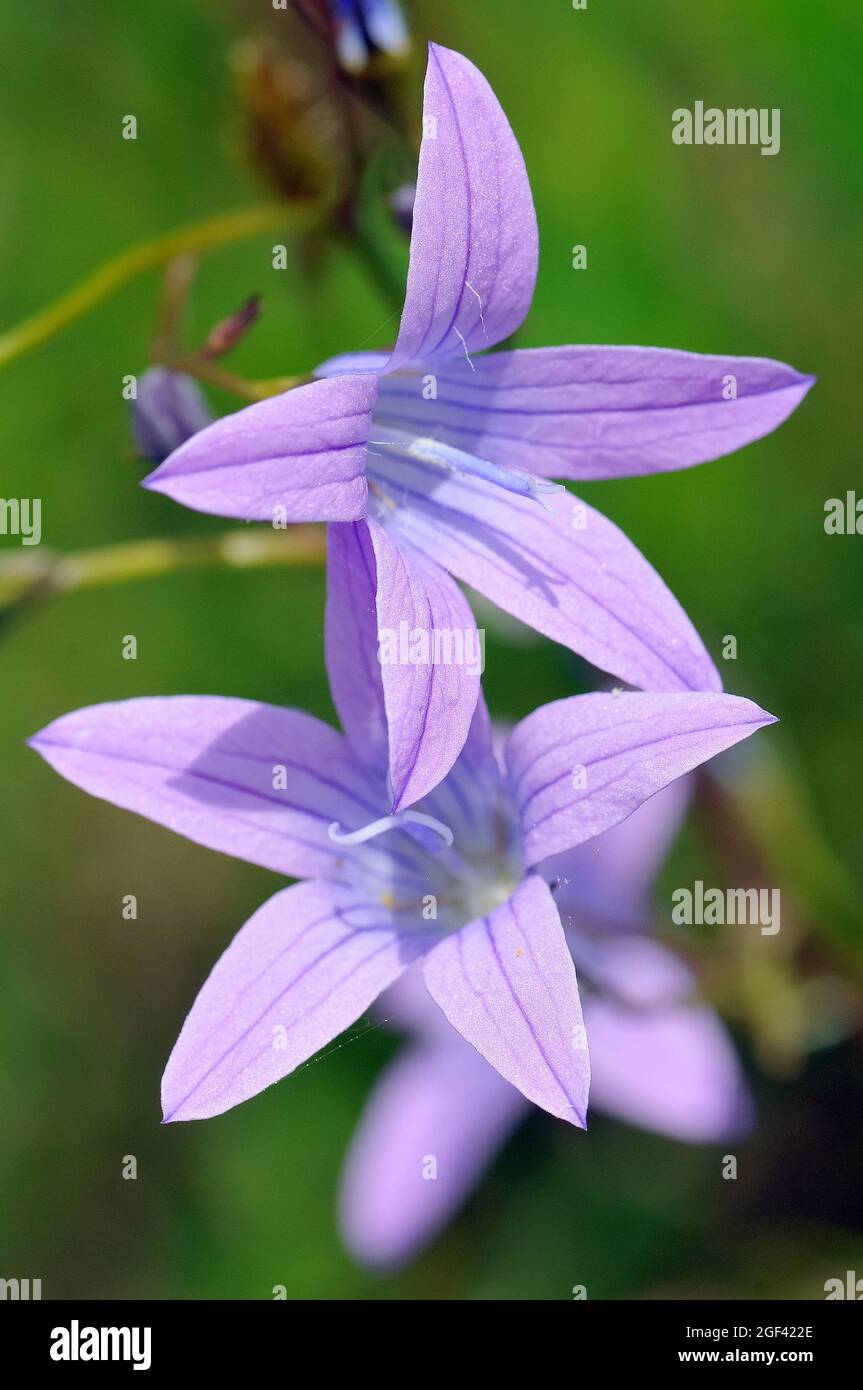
398	443
482	896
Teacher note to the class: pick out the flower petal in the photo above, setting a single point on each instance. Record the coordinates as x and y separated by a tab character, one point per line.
596	412
474	245
507	984
565	571
633	967
301	970
296	457
211	769
470	797
429	654
432	1125
351	631
579	766
673	1071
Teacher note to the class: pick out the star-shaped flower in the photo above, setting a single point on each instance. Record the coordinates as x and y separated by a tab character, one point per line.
433	461
453	882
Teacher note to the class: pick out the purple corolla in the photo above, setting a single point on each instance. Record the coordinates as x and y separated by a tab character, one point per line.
434	460
659	1059
454	882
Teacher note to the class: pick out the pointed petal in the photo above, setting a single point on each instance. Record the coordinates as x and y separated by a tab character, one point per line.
422	616
296	457
507	984
210	769
673	1071
433	1124
351	632
632	967
565	571
579	766
596	412
302	969
474	243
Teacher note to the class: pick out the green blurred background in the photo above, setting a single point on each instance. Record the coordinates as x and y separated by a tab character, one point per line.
716	250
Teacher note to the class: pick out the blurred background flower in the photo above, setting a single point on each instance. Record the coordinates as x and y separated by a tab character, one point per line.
367	27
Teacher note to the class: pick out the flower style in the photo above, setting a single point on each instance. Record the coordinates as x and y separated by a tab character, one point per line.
453	883
431	461
658	1058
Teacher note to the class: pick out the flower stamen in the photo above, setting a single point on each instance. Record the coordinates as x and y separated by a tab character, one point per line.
434	451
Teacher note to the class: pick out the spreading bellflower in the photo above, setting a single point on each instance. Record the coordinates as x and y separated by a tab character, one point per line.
433	461
658	1058
452	882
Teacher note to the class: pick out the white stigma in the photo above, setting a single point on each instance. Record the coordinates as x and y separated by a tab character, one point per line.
394	822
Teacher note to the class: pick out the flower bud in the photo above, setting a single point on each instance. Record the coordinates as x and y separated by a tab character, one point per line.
364	28
170	407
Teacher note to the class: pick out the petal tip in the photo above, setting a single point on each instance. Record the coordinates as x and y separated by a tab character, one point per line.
763	717
40	744
173	1100
799	389
171	1111
154	481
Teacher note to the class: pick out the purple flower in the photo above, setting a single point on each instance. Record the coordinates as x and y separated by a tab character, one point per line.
658	1058
169	408
453	883
364	27
420	457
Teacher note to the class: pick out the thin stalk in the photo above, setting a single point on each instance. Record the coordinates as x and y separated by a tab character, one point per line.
25	579
110	277
213	375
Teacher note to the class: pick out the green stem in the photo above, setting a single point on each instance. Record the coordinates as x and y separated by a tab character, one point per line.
26	577
214	375
200	236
